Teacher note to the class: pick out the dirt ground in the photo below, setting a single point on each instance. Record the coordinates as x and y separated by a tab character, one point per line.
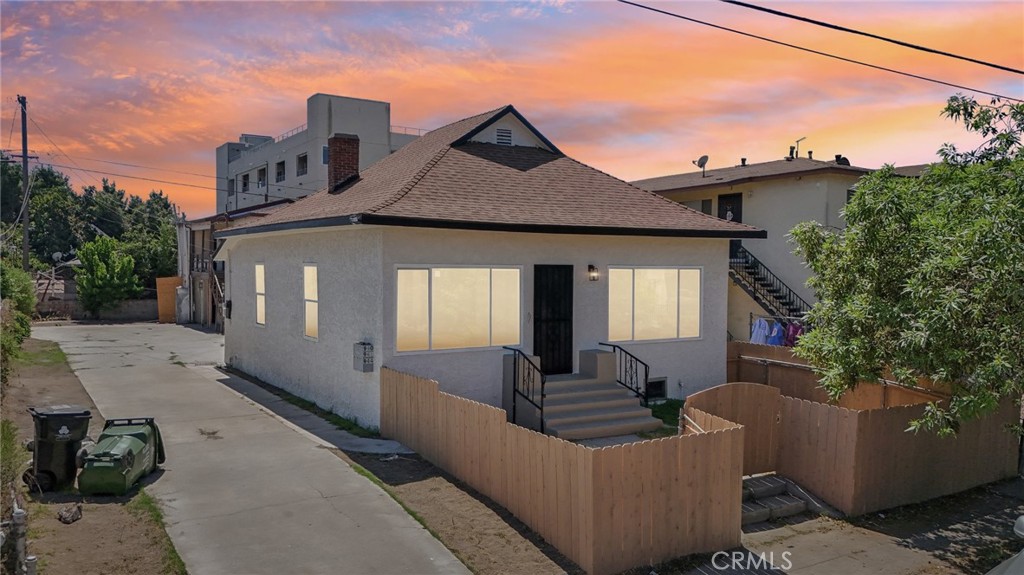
484	536
116	535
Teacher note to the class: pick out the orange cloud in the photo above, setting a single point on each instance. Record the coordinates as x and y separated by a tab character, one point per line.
633	93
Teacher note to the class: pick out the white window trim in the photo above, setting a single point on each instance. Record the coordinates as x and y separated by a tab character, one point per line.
430	311
264	294
304	301
700	323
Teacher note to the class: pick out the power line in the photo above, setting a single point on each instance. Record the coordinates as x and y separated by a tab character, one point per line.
54	144
222	178
170	182
14	120
818	52
870	35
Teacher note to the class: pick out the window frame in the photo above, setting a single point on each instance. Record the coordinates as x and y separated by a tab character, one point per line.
256	290
280	176
245	182
301	159
305	300
325	156
430	312
700	306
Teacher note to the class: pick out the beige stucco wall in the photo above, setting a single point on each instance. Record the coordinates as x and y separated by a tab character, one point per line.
777	206
741	305
689	365
349	268
357	266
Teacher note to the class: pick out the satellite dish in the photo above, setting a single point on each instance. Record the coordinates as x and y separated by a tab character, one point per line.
700	163
57	256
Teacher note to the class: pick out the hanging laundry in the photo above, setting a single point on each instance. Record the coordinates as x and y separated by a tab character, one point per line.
777	335
793	331
759	332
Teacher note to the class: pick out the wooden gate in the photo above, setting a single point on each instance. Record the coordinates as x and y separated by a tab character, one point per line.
755	406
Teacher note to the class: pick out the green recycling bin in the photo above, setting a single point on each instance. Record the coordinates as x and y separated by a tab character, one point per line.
59	431
126	451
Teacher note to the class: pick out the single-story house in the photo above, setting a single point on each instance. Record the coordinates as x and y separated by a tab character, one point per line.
479	235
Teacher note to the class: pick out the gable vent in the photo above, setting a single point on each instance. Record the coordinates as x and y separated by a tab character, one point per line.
504	136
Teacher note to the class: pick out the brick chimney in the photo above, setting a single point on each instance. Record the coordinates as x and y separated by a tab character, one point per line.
342	159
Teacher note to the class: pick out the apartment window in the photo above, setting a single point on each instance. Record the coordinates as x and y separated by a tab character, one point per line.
326	156
301	165
261	295
653	303
454	308
261	177
705	206
279	172
245	182
311	301
231	187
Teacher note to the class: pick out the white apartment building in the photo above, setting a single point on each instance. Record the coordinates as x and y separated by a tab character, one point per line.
260	169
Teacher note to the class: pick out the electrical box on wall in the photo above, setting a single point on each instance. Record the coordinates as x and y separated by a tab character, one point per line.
362	356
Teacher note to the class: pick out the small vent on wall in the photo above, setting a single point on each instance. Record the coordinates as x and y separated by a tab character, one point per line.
656	388
504	136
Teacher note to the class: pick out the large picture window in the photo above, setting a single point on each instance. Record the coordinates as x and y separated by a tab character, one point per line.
261	295
453	308
653	303
311	301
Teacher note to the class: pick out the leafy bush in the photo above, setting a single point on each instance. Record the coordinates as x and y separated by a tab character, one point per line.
107	275
16	285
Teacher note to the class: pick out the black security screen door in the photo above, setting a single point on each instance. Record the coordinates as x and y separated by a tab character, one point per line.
552	318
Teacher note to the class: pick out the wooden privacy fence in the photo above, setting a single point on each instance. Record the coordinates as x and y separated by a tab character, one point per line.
607	509
756	408
861	461
777	366
166	298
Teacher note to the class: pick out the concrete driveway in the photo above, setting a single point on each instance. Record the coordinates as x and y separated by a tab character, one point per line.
243	492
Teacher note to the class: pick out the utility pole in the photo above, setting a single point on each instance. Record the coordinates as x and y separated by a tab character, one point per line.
24	183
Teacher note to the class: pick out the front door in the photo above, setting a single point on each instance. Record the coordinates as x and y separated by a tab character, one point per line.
552	317
730	207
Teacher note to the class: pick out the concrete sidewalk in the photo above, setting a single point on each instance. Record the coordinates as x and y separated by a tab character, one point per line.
242	491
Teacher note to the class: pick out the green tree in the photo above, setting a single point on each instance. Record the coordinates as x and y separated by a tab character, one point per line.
151	237
106	276
927	280
10	189
56	216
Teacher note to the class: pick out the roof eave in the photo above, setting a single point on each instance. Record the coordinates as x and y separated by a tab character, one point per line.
374	219
845	171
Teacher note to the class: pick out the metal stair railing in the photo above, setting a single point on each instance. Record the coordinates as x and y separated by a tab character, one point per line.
633	373
528	382
766	284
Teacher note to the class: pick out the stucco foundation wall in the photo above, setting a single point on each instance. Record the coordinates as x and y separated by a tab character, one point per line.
349	267
689	365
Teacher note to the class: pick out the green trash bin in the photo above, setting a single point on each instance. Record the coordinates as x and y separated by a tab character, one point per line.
127	450
59	431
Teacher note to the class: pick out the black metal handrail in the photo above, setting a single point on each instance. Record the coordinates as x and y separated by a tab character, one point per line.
528	381
630	369
767	285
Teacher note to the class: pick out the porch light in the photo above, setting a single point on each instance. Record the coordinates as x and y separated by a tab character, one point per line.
592	273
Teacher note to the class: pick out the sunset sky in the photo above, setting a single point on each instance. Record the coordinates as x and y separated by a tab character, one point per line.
630	92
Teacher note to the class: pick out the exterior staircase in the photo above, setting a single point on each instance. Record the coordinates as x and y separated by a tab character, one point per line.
767	289
767	497
591	404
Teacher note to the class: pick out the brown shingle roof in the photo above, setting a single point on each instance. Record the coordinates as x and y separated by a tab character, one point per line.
438	181
750	172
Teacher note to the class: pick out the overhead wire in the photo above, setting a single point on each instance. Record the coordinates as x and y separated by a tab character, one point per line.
54	144
870	35
818	52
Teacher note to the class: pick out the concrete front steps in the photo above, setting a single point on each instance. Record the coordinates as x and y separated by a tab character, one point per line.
591	404
768	497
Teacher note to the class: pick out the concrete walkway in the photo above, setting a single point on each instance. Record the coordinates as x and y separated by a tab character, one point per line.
243	491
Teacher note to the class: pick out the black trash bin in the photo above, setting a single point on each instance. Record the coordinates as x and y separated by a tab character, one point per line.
60	430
